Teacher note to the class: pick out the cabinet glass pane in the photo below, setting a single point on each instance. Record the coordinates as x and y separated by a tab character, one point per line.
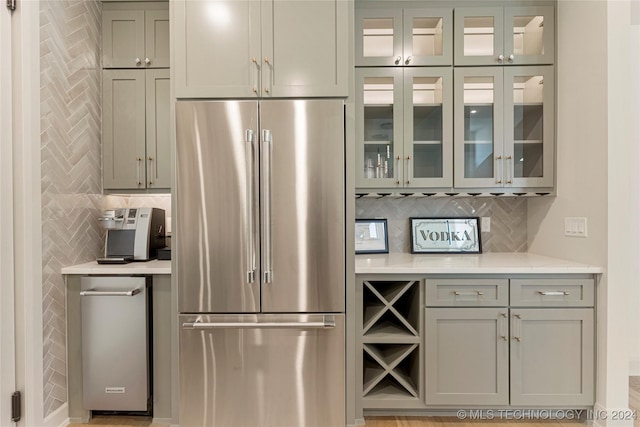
377	37
527	126
478	127
427	36
479	32
378	127
427	127
527	35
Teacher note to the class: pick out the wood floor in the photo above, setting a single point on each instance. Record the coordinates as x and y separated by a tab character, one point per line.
634	403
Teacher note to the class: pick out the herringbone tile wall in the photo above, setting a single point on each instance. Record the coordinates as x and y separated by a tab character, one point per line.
71	166
508	218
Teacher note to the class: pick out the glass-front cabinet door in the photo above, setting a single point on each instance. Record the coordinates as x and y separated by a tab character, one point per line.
478	115
409	37
478	34
529	35
428	139
379	127
529	126
504	36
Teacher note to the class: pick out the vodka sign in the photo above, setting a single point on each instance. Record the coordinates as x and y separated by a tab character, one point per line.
445	235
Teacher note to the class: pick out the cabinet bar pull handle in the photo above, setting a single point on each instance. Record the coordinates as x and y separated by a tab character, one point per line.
503	326
267	141
92	293
478	293
329	322
251	253
510	167
517	327
408	169
256	75
499	169
150	171
553	293
138	161
397	171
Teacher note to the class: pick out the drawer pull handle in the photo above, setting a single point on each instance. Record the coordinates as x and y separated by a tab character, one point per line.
478	293
553	293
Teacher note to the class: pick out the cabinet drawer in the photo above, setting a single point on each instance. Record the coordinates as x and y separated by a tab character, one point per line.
552	292
466	292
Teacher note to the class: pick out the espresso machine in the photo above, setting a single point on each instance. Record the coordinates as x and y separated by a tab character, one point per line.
133	234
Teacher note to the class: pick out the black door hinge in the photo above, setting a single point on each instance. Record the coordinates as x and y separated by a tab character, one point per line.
16	406
11	4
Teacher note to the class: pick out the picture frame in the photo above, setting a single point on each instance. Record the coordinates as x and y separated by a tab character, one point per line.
371	236
445	235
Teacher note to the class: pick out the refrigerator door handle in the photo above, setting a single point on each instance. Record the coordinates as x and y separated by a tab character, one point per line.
249	138
328	323
91	293
267	140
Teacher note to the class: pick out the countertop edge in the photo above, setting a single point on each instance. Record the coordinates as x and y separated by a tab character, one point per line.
154	267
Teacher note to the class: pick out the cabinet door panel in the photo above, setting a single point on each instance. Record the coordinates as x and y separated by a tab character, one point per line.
305	43
428	37
529	35
123	39
478	132
428	127
123	129
378	37
158	129
529	126
467	353
552	357
379	128
157	38
215	45
479	36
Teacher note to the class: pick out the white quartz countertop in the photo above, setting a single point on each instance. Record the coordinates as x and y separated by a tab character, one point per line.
489	263
149	267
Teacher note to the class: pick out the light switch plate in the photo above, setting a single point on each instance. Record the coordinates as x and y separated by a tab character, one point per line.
575	226
485	224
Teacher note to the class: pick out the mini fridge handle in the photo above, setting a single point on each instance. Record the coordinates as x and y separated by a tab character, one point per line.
91	293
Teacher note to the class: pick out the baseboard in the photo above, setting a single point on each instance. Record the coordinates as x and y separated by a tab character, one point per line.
59	417
166	421
634	367
610	417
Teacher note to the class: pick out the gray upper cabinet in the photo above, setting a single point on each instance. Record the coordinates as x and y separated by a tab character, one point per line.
504	36
504	127
133	38
404	127
403	37
266	48
135	130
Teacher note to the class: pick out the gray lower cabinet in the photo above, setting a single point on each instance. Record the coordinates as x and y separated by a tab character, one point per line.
467	356
136	140
482	341
552	357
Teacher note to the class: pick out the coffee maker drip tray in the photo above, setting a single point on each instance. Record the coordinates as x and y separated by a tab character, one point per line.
115	260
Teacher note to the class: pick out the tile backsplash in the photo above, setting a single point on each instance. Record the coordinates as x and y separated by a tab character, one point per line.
508	218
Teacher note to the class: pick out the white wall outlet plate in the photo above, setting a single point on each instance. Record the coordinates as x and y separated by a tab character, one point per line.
485	224
575	226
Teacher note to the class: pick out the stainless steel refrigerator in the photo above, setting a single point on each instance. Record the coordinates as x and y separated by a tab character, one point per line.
261	262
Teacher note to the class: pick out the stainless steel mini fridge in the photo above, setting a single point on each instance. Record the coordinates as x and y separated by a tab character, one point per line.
261	262
115	343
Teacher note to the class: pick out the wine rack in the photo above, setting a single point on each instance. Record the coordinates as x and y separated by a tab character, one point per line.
391	344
